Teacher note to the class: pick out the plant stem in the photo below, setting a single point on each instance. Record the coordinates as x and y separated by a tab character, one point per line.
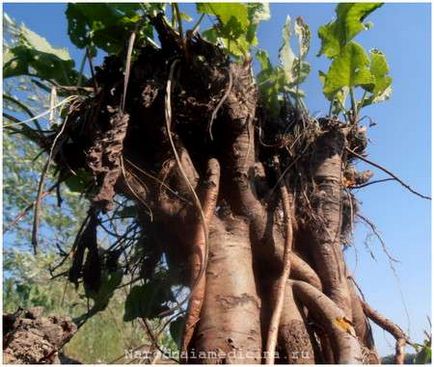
363	99
353	105
178	18
196	26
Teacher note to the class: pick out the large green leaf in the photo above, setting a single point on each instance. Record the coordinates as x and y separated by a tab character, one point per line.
380	70
34	55
349	69
226	11
349	22
79	181
108	25
237	24
382	89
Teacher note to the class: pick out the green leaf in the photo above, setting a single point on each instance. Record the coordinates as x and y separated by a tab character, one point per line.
107	25
185	17
147	300
226	12
237	24
424	355
257	12
301	70
349	22
35	41
109	283
286	55
264	60
302	31
380	70
78	182
349	69
382	89
34	54
270	83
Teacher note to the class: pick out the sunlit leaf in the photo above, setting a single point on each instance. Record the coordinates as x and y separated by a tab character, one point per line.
382	88
35	55
349	22
236	24
349	69
225	12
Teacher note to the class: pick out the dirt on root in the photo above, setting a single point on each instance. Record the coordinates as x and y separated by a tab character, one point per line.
30	338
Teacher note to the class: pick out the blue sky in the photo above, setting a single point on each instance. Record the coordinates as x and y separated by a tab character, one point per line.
400	141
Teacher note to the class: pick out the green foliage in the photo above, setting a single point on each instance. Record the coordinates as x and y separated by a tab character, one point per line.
148	300
237	24
284	80
34	55
349	22
109	282
379	69
348	70
108	26
351	66
271	82
424	350
78	182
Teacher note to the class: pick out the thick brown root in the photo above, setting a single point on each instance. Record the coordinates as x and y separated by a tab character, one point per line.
294	340
401	338
345	345
199	256
229	328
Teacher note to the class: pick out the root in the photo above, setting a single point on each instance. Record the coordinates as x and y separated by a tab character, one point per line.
391	174
294	340
275	319
391	327
382	242
345	344
198	279
37	207
168	115
220	104
301	270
